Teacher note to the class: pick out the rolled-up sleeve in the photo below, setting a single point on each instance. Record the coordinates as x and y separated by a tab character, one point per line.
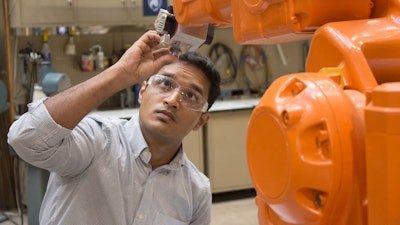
40	141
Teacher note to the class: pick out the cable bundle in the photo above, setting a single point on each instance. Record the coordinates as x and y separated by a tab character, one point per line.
253	68
225	62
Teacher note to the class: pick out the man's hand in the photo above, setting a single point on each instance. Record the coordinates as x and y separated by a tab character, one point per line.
144	58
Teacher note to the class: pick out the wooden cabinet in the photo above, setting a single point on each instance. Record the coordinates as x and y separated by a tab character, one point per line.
193	147
103	12
112	12
27	13
37	13
226	150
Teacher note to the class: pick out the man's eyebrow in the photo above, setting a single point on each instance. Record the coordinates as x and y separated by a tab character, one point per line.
193	86
168	74
197	88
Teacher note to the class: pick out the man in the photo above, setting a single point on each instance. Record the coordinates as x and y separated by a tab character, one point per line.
114	172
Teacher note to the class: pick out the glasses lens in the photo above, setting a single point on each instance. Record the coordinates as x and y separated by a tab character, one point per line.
189	97
162	83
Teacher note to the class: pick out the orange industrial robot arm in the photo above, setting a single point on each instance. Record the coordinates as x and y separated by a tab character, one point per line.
323	147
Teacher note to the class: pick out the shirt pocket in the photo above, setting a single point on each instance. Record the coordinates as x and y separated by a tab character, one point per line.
162	219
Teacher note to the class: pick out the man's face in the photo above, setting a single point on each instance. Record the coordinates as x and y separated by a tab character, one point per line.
165	115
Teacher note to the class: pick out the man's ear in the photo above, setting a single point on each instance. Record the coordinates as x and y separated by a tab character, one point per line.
202	120
141	91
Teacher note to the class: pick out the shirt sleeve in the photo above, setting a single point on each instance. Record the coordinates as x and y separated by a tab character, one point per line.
40	141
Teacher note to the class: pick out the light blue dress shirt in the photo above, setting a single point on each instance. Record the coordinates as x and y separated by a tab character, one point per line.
100	174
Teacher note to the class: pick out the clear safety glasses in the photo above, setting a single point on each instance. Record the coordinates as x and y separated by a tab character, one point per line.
189	97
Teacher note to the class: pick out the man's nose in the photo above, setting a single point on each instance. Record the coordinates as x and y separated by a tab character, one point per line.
174	99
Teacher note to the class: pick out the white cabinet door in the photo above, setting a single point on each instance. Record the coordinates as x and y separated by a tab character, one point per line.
104	12
193	147
226	151
41	12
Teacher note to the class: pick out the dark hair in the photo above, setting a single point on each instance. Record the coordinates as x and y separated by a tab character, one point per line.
207	66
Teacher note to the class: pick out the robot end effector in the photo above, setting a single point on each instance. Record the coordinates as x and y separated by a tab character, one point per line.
180	38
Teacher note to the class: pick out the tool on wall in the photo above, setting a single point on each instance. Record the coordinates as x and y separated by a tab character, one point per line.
281	54
46	65
30	60
254	68
225	62
70	47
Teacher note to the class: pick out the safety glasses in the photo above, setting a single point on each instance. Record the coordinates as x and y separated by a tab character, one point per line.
189	97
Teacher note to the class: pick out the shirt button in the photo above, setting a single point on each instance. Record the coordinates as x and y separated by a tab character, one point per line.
141	216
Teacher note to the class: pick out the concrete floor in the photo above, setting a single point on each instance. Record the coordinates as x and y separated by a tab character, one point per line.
234	212
12	218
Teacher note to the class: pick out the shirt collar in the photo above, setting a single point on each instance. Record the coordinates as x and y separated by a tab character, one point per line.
178	160
141	149
135	136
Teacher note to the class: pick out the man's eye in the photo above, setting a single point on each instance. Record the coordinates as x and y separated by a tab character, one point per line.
165	83
191	95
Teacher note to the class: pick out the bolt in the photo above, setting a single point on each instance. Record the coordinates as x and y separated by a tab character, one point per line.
322	137
292	114
322	142
319	199
294	19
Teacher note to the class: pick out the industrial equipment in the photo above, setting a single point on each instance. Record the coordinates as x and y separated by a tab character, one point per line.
178	38
323	145
53	83
4	105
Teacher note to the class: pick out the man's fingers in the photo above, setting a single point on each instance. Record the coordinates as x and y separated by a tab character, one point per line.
151	38
160	52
